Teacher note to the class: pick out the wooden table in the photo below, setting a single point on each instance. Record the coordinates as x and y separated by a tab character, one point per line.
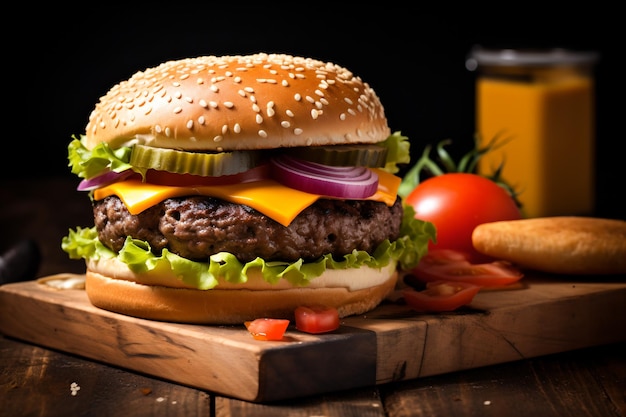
35	380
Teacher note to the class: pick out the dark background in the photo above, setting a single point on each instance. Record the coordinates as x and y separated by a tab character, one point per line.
415	61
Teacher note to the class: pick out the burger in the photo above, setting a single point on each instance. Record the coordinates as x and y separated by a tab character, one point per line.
231	188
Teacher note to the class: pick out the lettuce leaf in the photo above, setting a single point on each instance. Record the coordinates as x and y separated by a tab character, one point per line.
90	163
407	251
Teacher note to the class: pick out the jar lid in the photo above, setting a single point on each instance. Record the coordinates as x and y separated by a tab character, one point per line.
528	57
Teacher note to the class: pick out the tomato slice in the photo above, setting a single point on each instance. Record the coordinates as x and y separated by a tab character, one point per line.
267	329
440	296
316	319
451	265
187	180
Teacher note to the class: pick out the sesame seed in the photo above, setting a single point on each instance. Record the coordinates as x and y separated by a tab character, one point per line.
201	120
284	83
224	129
168	132
237	128
342	116
178	95
270	111
237	80
200	81
310	99
289	113
285	124
229	104
249	89
203	103
347	100
217	138
213	104
262	133
315	114
352	112
178	109
241	93
176	84
189	124
259	118
253	99
297	131
157	128
214	88
297	97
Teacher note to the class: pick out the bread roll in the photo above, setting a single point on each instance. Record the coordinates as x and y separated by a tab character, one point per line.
561	244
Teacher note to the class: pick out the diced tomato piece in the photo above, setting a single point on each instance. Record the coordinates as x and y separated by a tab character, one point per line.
267	329
440	296
450	265
316	319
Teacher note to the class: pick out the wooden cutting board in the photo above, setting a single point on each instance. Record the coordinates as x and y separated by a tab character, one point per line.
545	315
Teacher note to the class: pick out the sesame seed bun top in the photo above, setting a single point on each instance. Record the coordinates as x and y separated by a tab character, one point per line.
260	101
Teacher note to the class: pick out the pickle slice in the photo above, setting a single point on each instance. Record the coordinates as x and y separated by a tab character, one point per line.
195	163
365	155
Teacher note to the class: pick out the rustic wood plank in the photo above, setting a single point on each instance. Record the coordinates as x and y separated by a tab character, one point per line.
38	382
363	402
571	383
391	343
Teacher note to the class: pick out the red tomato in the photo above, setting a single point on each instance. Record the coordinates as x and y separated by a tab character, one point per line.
188	180
454	266
317	319
440	296
267	329
458	202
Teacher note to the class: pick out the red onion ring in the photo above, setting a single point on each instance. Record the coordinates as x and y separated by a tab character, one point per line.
331	181
104	179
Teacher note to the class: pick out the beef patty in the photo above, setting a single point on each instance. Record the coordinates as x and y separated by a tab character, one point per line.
197	227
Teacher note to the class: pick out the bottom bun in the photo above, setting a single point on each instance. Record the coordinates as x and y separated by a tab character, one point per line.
232	306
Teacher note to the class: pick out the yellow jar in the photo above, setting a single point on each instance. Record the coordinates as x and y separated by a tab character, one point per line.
540	104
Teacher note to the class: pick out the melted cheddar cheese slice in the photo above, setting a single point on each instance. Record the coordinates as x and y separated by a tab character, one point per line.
267	196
